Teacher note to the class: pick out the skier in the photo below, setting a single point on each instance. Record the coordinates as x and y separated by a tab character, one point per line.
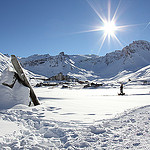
121	89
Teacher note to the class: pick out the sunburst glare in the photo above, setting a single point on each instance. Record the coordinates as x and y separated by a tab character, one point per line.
109	28
108	25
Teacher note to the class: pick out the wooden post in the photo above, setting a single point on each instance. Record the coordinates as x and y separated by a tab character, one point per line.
23	79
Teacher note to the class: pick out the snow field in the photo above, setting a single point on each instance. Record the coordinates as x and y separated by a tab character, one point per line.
89	105
77	119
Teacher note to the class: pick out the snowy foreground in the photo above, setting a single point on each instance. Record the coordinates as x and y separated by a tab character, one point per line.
92	119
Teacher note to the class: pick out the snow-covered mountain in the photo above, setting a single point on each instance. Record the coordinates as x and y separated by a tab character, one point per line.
5	64
129	59
130	62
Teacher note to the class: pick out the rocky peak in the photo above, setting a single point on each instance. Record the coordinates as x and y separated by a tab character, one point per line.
136	46
61	53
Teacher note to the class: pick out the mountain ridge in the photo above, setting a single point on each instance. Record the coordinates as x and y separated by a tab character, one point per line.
112	66
131	58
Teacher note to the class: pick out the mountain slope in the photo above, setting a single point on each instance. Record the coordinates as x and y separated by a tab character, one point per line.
5	63
131	58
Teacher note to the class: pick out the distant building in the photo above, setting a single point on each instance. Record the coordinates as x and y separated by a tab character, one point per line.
61	77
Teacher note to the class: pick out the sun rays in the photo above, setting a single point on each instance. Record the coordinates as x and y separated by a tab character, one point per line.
108	25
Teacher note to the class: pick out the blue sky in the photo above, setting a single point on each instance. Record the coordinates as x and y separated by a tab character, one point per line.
30	27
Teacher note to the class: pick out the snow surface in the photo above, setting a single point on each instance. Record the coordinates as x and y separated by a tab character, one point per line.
79	119
89	105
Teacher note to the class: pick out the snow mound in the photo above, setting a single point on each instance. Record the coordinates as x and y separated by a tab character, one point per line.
10	97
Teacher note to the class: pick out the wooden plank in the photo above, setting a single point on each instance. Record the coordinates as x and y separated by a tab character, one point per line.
23	79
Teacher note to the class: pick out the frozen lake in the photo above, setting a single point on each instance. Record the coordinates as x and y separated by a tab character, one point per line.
90	105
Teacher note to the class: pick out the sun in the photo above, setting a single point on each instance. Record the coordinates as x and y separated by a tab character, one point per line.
109	28
107	25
